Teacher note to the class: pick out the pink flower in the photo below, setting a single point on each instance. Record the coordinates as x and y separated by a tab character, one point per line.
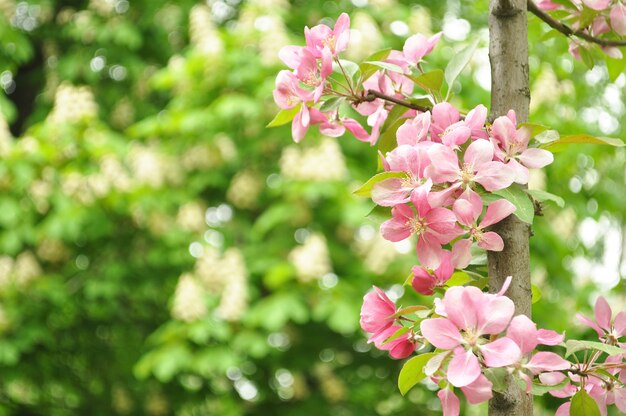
414	130
608	393
470	315
321	36
288	92
512	148
376	311
475	120
433	226
547	5
334	126
597	4
525	334
609	331
467	214
418	46
618	19
478	167
425	281
411	160
376	318
398	348
311	74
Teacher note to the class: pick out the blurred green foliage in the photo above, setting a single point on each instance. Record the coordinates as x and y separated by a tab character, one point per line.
164	253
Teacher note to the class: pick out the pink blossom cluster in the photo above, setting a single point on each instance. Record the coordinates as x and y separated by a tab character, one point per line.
595	17
447	163
473	332
310	84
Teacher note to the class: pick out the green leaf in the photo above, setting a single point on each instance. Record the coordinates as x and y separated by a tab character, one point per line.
350	67
573	345
366	189
413	372
397	334
284	116
387	141
384	65
408	310
458	62
615	67
394	115
331	104
458	279
536	294
583	405
429	81
557	145
498	378
586	57
525	209
367	70
543	196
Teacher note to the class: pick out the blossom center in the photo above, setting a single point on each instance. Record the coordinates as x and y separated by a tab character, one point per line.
417	226
467	173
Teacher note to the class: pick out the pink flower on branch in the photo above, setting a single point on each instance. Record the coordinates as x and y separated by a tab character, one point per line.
335	40
607	329
470	315
433	226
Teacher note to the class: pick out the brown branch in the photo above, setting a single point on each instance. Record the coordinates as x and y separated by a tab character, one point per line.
373	94
568	31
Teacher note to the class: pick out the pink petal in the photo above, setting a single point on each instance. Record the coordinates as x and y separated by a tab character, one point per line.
547	361
443	222
401	348
291	55
423	282
464	368
520	172
495	314
398	227
415	48
475	119
461	254
441	333
524	332
461	305
456	137
342	32
501	352
300	124
449	402
597	4
603	313
503	130
496	212
429	251
419	198
479	153
620	324
464	212
618	19
491	241
620	399
548	337
390	192
536	158
586	321
479	391
563	409
375	312
494	176
444	114
356	129
444	164
551	379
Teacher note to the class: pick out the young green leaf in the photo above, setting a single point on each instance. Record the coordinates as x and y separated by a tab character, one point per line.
557	145
543	196
397	334
525	209
366	189
331	104
458	62
573	345
583	405
284	116
429	81
367	70
383	65
413	372
536	294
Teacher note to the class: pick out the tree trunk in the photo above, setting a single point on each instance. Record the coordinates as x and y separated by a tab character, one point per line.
508	54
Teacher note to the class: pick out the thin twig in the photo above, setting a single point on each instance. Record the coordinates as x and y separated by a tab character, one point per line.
568	31
373	94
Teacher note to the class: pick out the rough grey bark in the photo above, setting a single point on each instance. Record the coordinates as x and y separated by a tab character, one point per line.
508	54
